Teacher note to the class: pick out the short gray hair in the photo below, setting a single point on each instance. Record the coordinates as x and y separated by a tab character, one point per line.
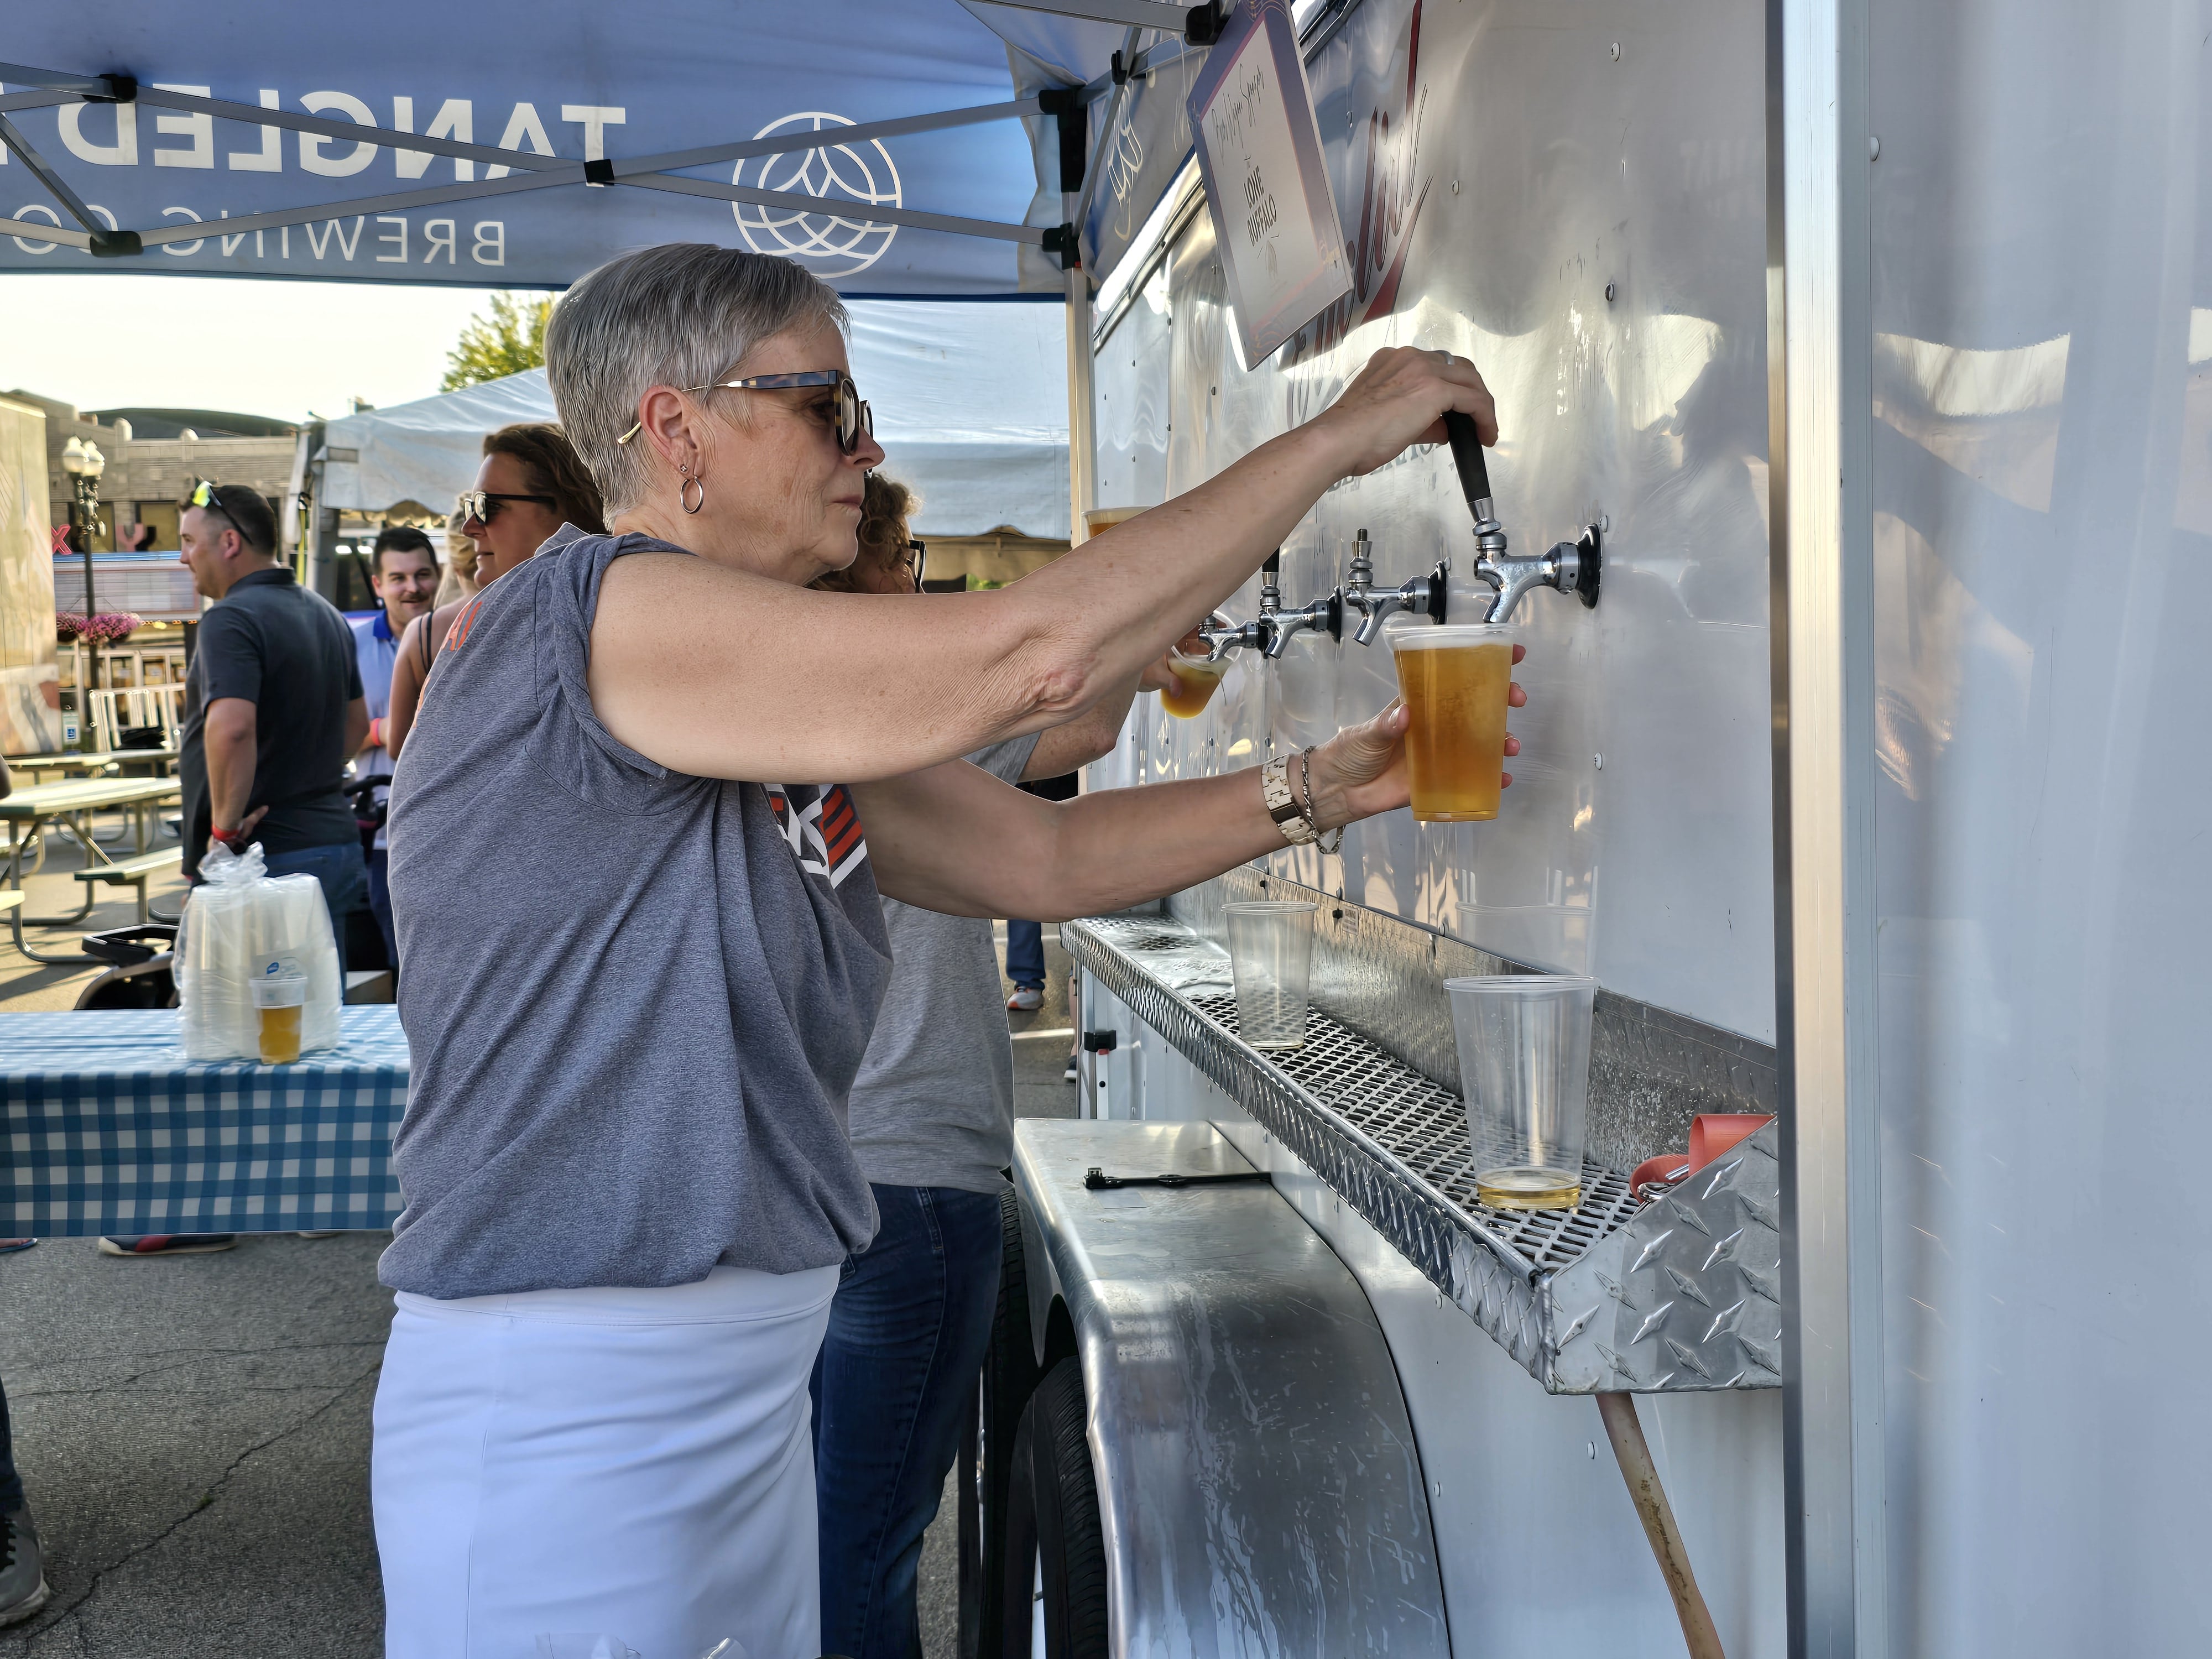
681	315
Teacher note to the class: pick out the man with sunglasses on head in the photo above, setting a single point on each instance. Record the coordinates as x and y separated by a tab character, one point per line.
273	711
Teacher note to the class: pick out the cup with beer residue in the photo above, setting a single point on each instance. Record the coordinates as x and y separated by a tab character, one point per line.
1524	1046
1196	678
278	1001
1455	679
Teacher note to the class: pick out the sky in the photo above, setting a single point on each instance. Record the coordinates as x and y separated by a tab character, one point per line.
282	348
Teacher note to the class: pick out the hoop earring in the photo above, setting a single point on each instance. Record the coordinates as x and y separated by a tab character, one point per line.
684	496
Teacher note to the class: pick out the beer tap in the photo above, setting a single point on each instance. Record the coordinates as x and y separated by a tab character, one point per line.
1422	596
1324	615
1570	567
1222	637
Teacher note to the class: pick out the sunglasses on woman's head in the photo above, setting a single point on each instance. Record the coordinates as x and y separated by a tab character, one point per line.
483	505
854	418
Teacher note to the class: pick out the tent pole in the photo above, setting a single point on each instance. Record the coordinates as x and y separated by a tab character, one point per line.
1082	450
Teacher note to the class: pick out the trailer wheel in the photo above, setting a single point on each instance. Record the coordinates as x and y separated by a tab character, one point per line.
1010	1376
1055	1582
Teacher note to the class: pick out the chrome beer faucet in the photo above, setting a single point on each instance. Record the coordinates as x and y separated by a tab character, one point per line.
1422	596
1570	567
1222	637
1324	616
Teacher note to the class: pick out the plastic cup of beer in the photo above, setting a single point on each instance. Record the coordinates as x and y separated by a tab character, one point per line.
1097	519
278	999
1524	1046
1271	955
1455	680
1196	679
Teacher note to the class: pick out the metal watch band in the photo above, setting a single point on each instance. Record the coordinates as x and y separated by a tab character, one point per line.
1282	805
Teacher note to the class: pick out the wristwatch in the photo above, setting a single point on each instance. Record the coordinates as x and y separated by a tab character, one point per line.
1283	806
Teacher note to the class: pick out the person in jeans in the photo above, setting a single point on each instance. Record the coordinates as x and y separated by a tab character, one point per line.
23	1566
404	570
273	711
932	1120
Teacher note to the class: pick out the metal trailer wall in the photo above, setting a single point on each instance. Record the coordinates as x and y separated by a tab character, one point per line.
2040	258
2018	296
1497	169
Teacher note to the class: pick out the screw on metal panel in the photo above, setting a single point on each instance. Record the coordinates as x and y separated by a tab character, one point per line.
1874	149
1592	1444
1609	292
1455	186
1435	1489
1605	524
1599	760
1616	52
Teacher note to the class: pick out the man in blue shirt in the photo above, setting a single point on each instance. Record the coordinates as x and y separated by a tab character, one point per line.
404	570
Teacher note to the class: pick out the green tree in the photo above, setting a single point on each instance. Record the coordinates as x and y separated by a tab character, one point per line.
510	340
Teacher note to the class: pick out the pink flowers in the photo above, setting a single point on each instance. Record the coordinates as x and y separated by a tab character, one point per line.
109	628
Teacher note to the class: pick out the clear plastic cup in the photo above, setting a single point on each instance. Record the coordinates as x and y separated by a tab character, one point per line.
1097	519
1271	953
278	1000
1524	1046
1196	679
1455	679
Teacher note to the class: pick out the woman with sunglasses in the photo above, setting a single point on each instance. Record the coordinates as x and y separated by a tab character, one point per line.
629	1190
530	483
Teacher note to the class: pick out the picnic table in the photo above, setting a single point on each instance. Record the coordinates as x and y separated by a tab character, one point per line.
71	805
153	760
109	1129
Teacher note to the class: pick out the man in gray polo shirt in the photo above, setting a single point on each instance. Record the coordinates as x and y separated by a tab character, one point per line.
273	706
273	711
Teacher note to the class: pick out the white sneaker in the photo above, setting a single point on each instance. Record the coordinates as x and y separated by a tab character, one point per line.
1026	999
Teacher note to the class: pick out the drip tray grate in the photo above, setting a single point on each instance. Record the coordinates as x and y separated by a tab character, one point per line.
1426	1127
1681	1294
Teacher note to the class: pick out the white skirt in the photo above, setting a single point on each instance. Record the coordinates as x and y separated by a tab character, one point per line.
632	1462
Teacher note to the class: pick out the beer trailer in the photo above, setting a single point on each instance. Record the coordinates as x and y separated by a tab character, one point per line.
1853	491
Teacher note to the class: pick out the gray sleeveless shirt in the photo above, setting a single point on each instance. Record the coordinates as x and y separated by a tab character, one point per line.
636	999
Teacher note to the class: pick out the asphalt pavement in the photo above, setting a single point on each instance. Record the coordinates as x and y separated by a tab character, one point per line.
193	1431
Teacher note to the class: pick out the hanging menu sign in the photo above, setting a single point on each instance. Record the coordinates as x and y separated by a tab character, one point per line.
1259	149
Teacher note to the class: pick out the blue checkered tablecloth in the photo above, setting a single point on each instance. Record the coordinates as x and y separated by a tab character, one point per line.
108	1129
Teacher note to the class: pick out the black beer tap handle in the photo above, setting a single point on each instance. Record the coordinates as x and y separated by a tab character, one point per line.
1466	455
1272	565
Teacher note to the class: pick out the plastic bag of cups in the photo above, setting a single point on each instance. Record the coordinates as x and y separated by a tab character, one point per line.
242	925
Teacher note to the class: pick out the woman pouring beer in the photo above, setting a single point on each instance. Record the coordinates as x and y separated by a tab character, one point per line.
628	1189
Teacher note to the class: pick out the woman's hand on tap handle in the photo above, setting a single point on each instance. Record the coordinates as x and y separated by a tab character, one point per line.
1400	398
1361	770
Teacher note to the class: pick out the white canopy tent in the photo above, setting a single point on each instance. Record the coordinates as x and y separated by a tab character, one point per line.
970	400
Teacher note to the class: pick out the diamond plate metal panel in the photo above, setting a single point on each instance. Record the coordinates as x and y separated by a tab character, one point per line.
1392	1142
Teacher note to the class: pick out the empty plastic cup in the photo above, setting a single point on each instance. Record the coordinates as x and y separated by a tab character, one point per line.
278	1000
1271	953
1524	1045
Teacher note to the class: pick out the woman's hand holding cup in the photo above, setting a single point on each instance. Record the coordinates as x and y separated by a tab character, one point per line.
1361	771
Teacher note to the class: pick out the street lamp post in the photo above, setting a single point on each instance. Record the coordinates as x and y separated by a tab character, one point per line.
84	464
